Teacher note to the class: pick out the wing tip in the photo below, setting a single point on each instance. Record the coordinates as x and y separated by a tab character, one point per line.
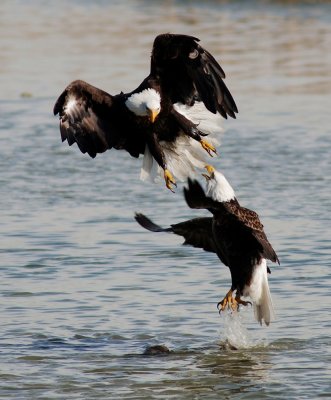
148	224
58	104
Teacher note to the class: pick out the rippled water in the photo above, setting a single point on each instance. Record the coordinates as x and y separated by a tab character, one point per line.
84	290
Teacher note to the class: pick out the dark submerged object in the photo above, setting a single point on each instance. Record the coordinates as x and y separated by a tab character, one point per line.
156	350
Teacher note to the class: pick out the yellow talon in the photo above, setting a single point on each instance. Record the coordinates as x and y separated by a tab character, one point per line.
208	147
210	169
232	303
169	180
228	301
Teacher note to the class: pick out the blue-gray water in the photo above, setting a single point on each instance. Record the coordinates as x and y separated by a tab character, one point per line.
84	290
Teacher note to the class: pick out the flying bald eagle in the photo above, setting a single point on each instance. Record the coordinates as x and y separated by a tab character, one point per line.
166	118
235	234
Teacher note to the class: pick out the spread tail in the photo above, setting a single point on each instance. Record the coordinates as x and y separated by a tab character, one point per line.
259	292
264	310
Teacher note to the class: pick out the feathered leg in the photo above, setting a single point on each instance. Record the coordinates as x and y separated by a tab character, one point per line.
191	130
158	155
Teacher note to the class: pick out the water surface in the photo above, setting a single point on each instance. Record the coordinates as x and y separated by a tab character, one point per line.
84	290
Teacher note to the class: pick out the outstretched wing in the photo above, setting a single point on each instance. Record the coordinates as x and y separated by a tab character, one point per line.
95	120
187	71
197	232
251	221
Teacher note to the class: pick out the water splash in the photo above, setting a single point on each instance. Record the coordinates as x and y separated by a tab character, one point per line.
235	335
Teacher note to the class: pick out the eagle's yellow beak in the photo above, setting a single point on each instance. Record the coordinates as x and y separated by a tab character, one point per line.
210	170
153	114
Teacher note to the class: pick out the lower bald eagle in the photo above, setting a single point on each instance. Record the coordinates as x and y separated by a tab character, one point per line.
235	234
166	118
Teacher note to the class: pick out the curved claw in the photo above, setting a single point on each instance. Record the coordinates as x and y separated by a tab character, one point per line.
231	303
228	301
208	147
242	302
169	180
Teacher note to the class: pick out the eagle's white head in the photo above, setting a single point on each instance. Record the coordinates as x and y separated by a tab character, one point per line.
218	188
145	104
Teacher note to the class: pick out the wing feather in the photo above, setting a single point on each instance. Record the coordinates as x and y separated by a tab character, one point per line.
188	71
251	221
95	120
197	232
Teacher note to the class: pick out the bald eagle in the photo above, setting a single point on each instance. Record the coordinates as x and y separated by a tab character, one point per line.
166	118
235	234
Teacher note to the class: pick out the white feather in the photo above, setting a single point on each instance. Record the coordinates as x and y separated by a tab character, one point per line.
219	189
70	107
182	159
140	103
186	155
207	122
259	292
149	170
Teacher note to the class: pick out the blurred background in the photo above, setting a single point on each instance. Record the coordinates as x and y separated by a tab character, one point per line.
84	290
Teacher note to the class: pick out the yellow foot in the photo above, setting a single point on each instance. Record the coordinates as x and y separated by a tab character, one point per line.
242	302
210	169
228	301
208	147
169	180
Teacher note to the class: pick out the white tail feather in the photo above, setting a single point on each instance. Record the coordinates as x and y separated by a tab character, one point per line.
259	292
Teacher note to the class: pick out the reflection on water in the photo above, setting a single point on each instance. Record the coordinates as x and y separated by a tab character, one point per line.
84	289
240	371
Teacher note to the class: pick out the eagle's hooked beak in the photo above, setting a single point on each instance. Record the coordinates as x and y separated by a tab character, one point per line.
152	115
210	170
